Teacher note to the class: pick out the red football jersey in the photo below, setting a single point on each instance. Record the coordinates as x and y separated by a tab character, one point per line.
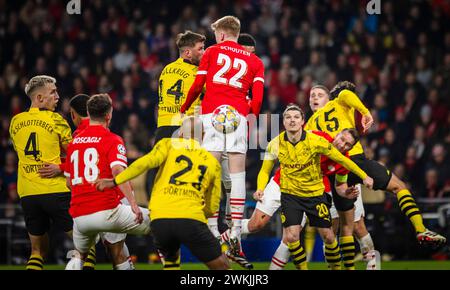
229	72
328	166
92	154
83	125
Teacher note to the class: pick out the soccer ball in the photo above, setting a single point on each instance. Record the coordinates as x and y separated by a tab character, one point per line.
225	119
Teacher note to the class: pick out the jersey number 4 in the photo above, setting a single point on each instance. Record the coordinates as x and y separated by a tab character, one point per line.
176	91
91	171
32	147
174	178
225	61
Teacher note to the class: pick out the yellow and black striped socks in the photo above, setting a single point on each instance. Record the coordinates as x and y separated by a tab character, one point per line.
298	255
168	265
89	263
333	255
310	239
35	262
348	252
409	208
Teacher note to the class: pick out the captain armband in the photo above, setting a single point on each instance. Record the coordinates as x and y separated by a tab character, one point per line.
341	178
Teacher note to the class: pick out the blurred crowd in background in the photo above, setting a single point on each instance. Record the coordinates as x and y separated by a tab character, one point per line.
399	61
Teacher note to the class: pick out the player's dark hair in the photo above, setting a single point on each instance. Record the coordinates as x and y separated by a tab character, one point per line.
293	107
246	40
99	106
322	87
344	85
188	39
79	104
353	132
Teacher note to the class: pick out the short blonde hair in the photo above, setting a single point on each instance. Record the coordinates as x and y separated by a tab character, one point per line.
38	82
228	24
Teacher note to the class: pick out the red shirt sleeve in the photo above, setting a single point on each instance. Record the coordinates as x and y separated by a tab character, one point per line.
257	88
117	154
198	84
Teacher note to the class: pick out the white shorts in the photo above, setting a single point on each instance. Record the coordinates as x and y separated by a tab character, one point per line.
214	141
116	220
272	200
112	238
359	207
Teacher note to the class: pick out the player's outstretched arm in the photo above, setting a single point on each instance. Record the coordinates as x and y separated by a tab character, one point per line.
343	189
331	151
351	100
128	192
263	177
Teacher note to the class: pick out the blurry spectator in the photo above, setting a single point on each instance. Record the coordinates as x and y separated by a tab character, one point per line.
300	53
392	146
440	162
419	142
123	58
432	185
8	183
316	68
139	136
424	73
426	120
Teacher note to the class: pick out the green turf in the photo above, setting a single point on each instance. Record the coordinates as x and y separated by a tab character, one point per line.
395	265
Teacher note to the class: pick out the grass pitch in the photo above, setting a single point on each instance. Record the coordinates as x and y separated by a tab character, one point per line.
394	265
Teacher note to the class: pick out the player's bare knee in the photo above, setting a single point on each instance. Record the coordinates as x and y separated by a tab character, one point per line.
395	184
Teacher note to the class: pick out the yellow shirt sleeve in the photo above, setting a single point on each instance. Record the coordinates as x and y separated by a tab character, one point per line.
326	148
212	196
268	163
153	159
62	128
351	100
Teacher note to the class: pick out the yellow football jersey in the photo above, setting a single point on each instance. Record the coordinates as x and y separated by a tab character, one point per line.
337	115
174	83
300	164
37	136
187	184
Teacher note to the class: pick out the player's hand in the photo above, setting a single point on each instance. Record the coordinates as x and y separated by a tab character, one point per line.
351	193
101	184
366	122
368	182
258	195
49	170
137	211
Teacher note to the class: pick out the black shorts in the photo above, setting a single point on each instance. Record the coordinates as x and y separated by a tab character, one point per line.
341	203
169	234
42	210
317	210
165	132
380	174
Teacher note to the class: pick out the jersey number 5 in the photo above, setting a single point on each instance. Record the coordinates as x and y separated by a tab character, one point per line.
90	166
225	61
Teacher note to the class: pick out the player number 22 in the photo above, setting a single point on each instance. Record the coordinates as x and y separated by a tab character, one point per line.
225	61
90	166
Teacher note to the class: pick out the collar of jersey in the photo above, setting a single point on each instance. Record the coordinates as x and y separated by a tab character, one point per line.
37	109
301	137
186	61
